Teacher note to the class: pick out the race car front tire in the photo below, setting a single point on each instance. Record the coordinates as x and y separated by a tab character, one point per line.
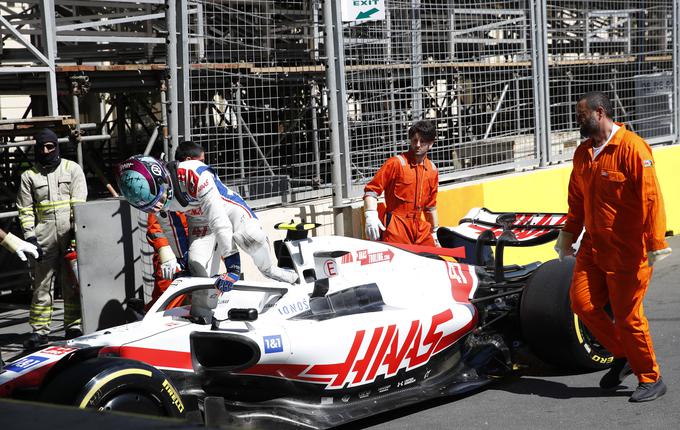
554	333
107	383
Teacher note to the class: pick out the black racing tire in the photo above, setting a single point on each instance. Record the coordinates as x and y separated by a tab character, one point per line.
554	333
108	383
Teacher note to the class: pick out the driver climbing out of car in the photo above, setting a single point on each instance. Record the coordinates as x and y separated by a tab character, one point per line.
214	213
614	193
410	181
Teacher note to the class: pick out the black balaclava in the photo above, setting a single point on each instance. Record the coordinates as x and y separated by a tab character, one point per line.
48	161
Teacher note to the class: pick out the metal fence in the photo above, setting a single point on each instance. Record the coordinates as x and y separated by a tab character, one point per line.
464	64
257	102
500	80
623	48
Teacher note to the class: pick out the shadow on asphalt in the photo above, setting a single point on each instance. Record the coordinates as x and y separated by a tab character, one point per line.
13	321
555	390
521	385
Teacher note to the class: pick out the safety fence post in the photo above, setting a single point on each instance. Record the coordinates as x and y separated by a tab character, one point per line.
173	81
676	71
539	59
337	111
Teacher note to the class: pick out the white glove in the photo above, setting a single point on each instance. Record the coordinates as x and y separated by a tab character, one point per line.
19	247
373	225
169	264
658	255
436	241
563	246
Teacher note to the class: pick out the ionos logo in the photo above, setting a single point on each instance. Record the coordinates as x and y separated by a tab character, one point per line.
173	395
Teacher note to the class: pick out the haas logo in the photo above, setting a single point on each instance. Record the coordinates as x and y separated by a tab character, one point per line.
384	350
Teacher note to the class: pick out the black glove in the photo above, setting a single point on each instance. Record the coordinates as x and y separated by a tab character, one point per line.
34	241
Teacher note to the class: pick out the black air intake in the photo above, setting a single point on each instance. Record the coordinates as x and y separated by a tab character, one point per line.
222	352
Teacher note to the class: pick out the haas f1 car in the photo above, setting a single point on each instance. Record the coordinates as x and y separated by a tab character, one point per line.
369	327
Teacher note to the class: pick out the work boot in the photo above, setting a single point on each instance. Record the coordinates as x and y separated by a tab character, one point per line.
36	340
648	391
617	373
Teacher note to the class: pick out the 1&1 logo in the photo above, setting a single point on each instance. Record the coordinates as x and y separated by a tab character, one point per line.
25	363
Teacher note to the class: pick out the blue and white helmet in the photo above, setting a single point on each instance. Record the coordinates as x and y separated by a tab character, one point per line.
145	183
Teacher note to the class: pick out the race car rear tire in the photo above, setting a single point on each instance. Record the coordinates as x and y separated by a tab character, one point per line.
107	383
554	333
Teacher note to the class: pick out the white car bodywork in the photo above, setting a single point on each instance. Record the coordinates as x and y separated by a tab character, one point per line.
424	310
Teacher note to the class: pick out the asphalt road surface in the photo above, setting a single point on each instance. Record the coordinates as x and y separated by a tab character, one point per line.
552	401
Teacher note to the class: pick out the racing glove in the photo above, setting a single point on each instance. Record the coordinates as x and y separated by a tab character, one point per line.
225	282
169	263
20	247
373	225
658	255
563	246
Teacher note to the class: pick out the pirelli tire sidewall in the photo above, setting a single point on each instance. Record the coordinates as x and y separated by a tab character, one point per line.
552	330
102	379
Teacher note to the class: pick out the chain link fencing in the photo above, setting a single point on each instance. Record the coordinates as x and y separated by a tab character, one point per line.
259	92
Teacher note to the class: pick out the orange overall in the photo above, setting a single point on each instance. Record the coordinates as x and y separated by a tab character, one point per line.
409	190
157	239
617	198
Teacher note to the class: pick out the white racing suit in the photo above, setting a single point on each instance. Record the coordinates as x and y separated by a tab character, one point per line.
217	214
45	203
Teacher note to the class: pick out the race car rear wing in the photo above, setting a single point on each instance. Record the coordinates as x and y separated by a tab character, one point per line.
482	228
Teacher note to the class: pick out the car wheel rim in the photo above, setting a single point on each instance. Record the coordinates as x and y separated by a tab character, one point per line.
132	402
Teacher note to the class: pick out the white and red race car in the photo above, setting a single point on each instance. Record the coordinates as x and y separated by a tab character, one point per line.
369	327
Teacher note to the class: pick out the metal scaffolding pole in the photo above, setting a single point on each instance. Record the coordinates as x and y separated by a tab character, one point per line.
314	93
164	120
184	125
392	105
337	110
541	81
495	111
173	84
49	43
241	150
76	115
417	57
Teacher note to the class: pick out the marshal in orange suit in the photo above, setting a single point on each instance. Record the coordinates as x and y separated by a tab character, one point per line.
410	182
615	195
161	245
